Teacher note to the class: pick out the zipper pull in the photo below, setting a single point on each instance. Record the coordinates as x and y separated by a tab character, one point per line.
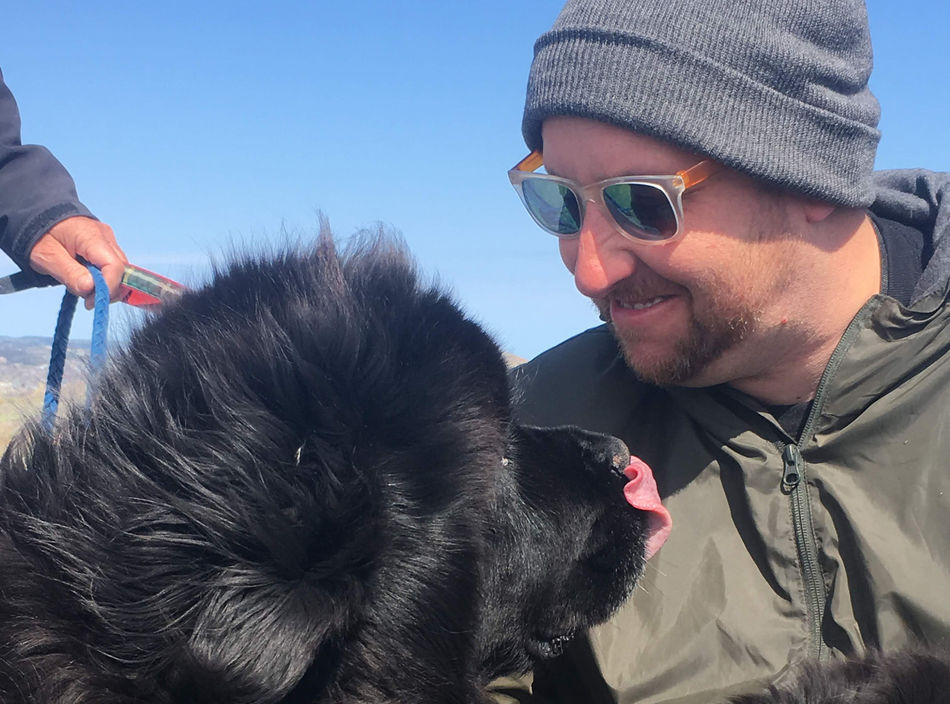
792	473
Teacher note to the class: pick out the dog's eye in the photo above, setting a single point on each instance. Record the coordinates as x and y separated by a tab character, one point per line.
505	461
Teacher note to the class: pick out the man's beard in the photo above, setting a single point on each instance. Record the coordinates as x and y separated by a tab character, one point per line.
707	338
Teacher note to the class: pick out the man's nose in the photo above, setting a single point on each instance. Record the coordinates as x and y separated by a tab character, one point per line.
602	256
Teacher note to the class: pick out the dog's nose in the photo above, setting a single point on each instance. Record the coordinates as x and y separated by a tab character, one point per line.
618	463
618	454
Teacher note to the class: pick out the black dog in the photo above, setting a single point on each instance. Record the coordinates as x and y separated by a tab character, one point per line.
915	676
301	484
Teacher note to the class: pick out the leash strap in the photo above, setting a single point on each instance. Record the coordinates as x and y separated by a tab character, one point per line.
97	354
23	280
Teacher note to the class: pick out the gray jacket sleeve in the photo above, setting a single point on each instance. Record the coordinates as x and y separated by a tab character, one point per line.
36	191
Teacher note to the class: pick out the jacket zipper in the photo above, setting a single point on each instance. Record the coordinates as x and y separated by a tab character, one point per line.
793	482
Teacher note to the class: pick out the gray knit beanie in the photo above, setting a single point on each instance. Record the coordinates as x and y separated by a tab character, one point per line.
774	88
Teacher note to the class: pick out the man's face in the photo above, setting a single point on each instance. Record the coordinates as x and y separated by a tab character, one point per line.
699	311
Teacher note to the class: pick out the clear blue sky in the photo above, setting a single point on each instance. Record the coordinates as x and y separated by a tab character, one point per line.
189	126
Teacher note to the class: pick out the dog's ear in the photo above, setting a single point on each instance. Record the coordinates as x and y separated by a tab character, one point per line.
253	642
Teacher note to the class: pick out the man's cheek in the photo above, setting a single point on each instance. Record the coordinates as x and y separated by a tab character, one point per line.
568	250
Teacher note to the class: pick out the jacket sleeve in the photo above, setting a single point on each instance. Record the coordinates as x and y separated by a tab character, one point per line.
36	191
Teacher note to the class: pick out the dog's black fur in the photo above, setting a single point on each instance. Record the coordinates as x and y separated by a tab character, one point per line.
301	484
915	676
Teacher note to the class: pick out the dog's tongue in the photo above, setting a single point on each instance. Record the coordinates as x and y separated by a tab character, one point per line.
641	493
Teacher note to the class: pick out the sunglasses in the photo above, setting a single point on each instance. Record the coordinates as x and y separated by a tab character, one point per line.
646	209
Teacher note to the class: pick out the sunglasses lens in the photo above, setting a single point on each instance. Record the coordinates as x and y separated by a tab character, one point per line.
642	210
553	205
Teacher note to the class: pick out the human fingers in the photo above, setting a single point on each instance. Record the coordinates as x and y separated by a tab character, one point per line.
49	256
95	242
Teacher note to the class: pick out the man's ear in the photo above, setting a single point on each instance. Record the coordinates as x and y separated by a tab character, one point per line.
817	210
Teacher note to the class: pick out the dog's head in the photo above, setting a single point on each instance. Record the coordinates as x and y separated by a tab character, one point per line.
565	547
291	487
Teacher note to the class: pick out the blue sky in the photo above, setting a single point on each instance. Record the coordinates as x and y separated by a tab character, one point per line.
192	127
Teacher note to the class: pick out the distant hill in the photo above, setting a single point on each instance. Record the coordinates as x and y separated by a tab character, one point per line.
24	362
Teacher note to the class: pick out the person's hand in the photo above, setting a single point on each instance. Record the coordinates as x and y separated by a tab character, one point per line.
55	254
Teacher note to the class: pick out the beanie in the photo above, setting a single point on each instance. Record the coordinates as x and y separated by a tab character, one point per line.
777	89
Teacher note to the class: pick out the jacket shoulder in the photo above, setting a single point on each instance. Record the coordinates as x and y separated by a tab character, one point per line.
582	381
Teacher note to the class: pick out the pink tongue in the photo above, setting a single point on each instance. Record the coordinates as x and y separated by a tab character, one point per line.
641	493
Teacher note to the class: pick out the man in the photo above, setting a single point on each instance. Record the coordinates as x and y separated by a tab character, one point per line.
43	226
777	344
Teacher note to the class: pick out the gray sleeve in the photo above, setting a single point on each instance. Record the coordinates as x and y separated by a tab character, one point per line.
36	191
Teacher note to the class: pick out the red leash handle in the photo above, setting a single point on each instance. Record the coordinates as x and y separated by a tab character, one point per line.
143	288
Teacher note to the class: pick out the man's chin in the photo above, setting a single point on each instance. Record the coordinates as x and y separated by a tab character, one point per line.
657	367
684	354
663	374
690	362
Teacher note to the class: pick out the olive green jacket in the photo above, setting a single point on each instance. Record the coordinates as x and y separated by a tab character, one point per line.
782	548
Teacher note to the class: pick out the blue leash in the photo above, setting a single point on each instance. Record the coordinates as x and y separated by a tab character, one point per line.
97	354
